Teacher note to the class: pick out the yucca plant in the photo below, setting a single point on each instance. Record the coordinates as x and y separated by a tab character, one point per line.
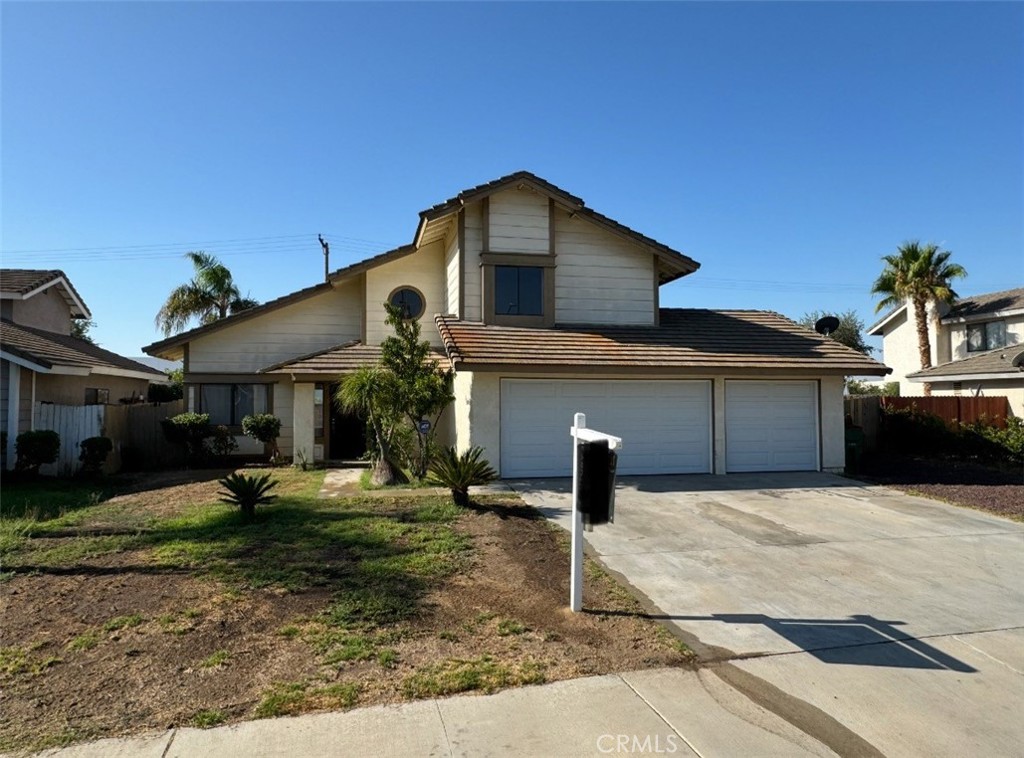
247	491
460	472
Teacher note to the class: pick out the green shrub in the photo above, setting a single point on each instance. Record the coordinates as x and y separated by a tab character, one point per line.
460	472
265	428
189	430
94	453
222	441
247	491
35	449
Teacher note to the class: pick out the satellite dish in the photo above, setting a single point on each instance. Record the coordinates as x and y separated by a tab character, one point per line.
826	325
1018	360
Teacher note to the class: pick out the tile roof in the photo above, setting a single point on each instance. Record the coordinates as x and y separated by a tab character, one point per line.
48	349
990	302
21	281
340	359
24	280
685	339
969	307
999	361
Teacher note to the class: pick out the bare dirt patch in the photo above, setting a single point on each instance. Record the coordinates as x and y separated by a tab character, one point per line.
998	490
128	641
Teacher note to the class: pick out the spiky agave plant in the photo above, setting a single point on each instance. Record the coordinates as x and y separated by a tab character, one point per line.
247	491
460	472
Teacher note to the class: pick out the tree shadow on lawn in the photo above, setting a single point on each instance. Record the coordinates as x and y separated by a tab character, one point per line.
378	563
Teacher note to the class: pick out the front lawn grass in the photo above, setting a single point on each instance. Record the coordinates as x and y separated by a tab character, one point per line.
165	606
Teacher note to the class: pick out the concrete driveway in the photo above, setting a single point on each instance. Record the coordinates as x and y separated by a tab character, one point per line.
876	622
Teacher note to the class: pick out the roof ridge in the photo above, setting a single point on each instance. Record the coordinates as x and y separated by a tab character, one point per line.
451	349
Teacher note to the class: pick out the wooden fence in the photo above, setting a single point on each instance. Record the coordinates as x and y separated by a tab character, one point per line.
866	411
134	429
965	409
73	423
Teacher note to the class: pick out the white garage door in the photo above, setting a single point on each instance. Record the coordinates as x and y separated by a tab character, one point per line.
771	426
665	425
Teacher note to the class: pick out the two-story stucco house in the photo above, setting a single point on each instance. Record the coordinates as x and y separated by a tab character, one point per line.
974	344
542	307
40	362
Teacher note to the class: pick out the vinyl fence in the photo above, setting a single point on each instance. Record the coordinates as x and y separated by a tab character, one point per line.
134	429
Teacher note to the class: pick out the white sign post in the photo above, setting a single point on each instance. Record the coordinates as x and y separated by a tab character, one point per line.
580	433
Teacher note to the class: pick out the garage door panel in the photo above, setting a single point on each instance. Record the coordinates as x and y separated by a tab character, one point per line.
771	426
665	424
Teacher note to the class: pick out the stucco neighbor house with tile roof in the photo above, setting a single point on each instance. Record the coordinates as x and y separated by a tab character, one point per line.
974	346
542	307
40	362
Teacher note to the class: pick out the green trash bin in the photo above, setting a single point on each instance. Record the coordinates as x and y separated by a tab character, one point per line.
854	448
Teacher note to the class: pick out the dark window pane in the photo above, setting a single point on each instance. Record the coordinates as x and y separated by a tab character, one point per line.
409	301
518	291
975	338
215	399
506	290
995	334
531	291
243	402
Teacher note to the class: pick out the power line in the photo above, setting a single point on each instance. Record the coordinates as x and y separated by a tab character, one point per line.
232	242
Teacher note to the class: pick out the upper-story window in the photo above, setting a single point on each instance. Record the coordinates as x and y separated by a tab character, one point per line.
409	300
518	291
988	336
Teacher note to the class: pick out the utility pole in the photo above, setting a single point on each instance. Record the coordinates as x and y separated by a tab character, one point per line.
327	257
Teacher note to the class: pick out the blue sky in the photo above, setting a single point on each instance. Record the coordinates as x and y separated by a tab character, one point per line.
785	146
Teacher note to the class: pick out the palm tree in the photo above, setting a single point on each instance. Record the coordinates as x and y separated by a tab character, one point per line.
921	274
370	392
211	295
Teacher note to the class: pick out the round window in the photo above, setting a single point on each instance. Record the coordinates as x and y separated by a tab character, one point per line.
409	300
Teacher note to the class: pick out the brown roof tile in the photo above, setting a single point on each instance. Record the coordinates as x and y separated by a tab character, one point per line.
998	361
49	349
685	339
21	281
991	302
340	359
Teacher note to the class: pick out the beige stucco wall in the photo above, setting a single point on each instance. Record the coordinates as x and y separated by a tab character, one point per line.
425	271
47	310
477	412
833	423
900	353
70	390
302	420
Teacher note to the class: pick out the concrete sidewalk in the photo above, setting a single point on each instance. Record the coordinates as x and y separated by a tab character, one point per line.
660	711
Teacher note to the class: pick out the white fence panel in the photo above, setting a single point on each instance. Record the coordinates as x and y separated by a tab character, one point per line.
73	423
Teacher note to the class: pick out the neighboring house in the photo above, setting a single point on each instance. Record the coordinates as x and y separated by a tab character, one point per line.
40	362
973	346
545	308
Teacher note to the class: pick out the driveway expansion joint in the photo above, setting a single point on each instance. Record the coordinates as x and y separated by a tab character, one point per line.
660	715
170	741
444	729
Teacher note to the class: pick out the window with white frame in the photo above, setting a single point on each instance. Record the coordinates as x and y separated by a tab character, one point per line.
228	404
987	336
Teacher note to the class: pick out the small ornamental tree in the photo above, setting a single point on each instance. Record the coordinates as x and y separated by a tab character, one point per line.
265	428
460	472
422	389
189	430
35	449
